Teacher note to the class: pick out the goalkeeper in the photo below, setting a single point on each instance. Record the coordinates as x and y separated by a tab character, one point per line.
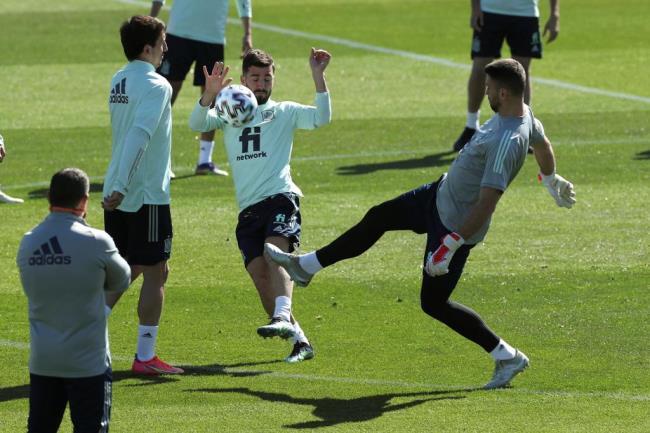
455	212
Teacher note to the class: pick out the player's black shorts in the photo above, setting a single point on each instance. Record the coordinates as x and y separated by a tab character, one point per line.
521	33
277	215
90	401
182	52
143	237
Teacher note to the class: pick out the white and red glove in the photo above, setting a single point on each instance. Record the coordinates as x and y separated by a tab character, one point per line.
560	188
438	261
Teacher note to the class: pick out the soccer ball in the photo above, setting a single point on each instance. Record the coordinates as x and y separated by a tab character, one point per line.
236	105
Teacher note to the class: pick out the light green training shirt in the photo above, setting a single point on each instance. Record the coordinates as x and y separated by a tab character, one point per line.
259	153
204	20
140	106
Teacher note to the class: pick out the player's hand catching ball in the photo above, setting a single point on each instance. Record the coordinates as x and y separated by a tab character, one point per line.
214	82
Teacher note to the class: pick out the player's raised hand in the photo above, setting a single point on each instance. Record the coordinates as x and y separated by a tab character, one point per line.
319	59
214	82
438	261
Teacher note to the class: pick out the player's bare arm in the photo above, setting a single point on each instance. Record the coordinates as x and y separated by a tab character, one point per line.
552	27
214	82
156	5
543	151
318	61
560	189
247	39
476	18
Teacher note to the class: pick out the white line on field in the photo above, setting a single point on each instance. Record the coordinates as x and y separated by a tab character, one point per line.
180	170
378	382
418	57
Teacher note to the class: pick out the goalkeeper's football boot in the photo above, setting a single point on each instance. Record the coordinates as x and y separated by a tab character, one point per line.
278	327
209	168
291	263
154	367
302	351
506	370
464	138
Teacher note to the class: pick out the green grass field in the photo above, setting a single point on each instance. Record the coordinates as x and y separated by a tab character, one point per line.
570	288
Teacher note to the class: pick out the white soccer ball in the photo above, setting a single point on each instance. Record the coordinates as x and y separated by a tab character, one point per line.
236	105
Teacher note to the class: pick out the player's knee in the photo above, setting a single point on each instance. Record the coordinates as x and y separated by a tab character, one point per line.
377	215
165	273
434	307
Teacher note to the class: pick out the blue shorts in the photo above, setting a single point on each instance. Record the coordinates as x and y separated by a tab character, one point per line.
277	215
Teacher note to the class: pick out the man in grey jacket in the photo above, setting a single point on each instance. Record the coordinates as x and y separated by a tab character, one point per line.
66	267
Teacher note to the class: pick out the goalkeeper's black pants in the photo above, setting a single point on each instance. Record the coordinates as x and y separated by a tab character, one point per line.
416	211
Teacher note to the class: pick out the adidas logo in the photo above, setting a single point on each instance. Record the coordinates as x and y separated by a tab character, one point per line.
50	253
118	94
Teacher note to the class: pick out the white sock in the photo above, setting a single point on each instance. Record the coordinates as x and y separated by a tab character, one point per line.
472	119
107	310
205	151
283	308
503	351
146	342
299	336
310	263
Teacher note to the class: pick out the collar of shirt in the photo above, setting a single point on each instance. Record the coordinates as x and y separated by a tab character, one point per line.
140	65
54	215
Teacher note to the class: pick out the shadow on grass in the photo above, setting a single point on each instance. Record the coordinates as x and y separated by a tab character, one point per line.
22	391
42	192
333	411
643	155
435	160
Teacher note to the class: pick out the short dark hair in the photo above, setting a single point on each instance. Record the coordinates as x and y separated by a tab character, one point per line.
508	73
138	31
68	187
256	57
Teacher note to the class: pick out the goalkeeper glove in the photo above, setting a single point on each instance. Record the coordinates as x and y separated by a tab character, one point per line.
438	261
560	188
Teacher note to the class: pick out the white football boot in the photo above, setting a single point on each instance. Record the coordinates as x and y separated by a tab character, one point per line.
291	263
506	370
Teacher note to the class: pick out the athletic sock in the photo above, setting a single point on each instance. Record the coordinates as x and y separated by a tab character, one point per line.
309	262
205	151
283	308
472	119
503	351
146	342
299	335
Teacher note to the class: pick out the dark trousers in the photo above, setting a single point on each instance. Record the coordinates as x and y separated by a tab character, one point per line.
89	398
416	211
